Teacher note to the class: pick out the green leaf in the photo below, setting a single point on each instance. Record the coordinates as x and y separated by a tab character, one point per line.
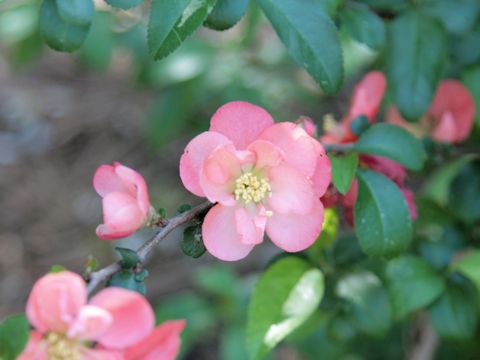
59	34
192	242
454	315
127	279
311	38
78	12
359	125
471	78
124	4
457	16
226	14
393	142
57	268
14	332
343	170
415	59
97	50
182	208
171	22
382	219
412	284
285	296
387	5
465	193
469	265
129	257
364	26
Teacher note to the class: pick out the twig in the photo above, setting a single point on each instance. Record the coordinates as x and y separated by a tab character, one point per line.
338	147
100	276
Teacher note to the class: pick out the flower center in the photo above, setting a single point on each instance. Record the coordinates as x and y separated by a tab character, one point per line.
61	348
251	188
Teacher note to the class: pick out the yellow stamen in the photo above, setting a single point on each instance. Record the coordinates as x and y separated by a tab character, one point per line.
251	188
61	348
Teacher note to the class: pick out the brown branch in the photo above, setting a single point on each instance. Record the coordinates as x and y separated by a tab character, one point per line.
102	275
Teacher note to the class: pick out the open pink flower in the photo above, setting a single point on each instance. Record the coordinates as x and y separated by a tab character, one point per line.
64	322
450	116
125	201
264	177
366	100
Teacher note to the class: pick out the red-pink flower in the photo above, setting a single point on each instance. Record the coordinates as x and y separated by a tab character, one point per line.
264	177
126	205
450	116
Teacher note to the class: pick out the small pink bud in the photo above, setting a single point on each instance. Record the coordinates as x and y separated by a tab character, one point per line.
308	125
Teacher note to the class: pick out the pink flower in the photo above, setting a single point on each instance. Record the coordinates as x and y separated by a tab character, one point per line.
264	177
450	117
307	124
125	201
63	320
366	100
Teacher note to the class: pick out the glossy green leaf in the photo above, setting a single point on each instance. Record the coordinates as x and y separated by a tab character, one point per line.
14	332
129	257
171	22
192	242
59	34
124	4
226	14
284	297
469	265
343	170
364	26
412	284
382	219
457	16
127	279
466	50
454	315
471	78
311	38
464	194
415	59
76	11
387	5
392	142
360	124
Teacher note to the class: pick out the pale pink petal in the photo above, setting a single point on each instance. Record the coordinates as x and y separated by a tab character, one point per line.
220	234
241	122
266	154
106	180
393	117
98	354
293	232
133	317
219	172
250	223
91	322
162	344
130	176
391	169
322	177
300	150
307	124
291	191
195	154
446	129
36	349
55	301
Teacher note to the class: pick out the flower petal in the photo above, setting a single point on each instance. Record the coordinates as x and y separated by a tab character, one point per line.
300	150
293	232
55	301
106	180
98	354
130	176
133	317
322	177
195	154
163	343
241	122
291	191
91	322
36	349
220	234
391	169
250	224
266	154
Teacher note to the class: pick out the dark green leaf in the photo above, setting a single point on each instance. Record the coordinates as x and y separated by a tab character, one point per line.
182	208
393	142
382	219
124	4
364	26
226	14
78	12
59	34
466	50
127	279
311	38
469	265
343	170
284	297
464	194
415	58
454	314
412	284
129	257
14	332
388	5
471	78
359	125
457	16
192	242
172	22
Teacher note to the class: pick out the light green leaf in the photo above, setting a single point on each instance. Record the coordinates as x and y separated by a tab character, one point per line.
226	14
14	332
393	142
382	219
469	265
415	58
343	170
364	26
171	22
124	4
412	284
310	36
78	12
284	297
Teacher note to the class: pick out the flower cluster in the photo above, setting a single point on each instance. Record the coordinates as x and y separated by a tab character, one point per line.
116	324
263	177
